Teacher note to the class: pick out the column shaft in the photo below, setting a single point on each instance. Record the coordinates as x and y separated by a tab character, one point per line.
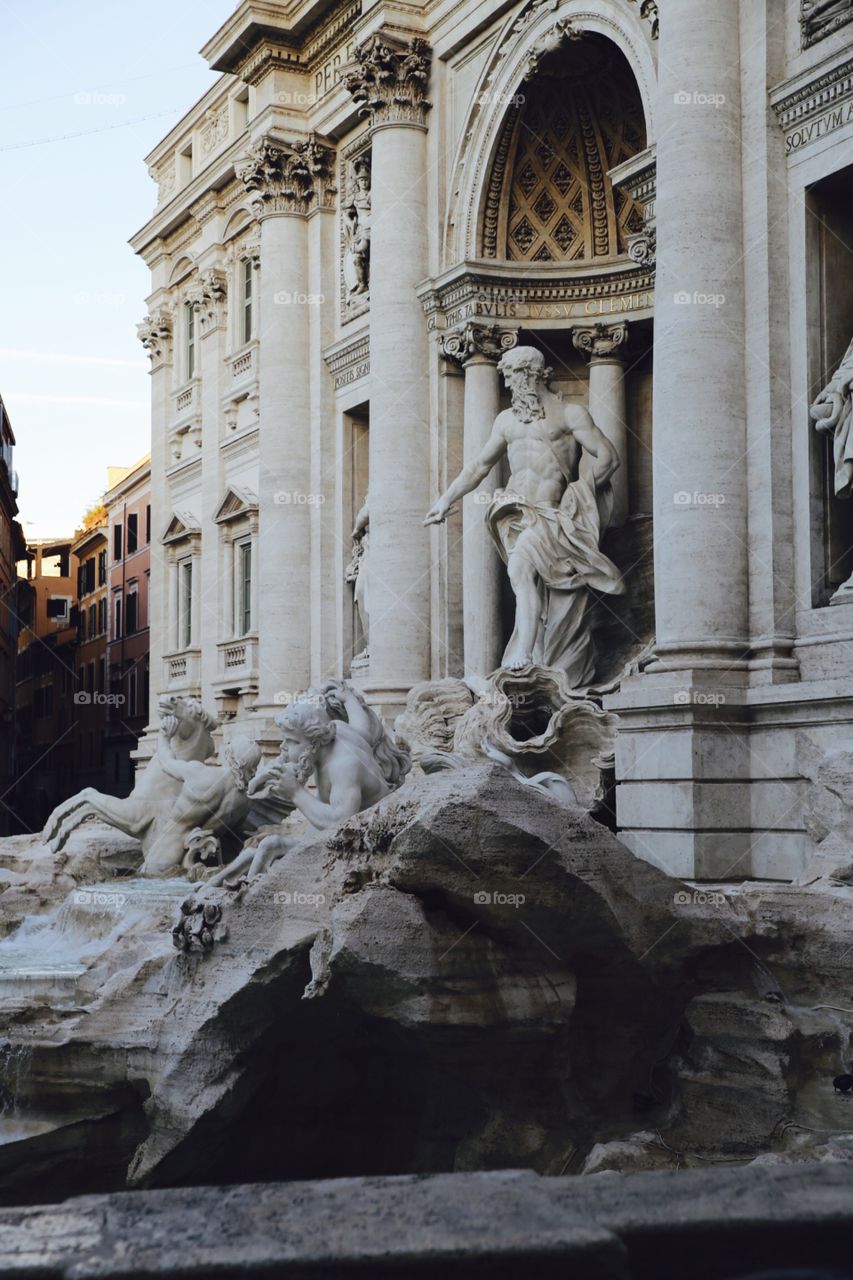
481	564
701	579
607	407
285	462
400	646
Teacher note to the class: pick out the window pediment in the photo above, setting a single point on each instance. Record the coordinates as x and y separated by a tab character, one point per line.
182	527
238	502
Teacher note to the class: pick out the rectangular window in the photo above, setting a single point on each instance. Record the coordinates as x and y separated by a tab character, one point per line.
185	611
189	315
148	523
247	300
117	633
102	568
57	608
132	533
89	575
102	615
116	542
130	622
91	685
93	620
244	588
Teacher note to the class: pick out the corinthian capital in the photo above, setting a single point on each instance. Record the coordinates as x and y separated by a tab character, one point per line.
486	340
389	78
600	340
155	334
206	296
288	177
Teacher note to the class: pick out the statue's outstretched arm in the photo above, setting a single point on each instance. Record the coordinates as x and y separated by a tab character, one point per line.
469	477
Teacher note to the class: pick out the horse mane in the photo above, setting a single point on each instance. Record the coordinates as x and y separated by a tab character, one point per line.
196	711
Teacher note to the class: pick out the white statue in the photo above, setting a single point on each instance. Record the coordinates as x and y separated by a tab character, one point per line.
213	798
548	522
148	812
357	573
832	413
356	225
330	736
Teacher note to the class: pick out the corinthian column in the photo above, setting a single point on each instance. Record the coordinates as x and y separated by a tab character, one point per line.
287	180
602	343
477	349
388	81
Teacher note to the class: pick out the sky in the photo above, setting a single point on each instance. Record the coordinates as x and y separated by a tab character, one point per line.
87	89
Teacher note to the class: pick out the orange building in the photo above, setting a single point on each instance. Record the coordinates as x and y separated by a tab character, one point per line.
91	697
128	504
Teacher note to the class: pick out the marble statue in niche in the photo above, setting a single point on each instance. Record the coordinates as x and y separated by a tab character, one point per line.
547	523
356	227
357	574
832	414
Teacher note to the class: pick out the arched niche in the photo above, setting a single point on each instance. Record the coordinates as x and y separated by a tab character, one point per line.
529	40
548	197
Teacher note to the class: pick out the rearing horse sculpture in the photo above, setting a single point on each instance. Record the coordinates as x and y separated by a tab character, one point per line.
146	813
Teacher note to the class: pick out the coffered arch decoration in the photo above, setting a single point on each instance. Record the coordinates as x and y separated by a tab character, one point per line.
549	198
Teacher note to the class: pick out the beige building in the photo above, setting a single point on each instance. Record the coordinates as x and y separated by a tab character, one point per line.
365	210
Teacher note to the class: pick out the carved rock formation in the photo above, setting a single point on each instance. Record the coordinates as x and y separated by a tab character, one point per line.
492	978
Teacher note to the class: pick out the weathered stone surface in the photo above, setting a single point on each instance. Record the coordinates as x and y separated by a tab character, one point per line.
469	975
613	1227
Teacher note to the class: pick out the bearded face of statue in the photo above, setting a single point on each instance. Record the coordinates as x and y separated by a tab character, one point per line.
524	383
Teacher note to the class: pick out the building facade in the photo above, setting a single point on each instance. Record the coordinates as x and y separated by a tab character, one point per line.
364	212
89	551
12	549
46	685
128	504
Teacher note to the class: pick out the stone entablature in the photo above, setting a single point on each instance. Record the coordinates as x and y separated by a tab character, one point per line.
508	291
815	103
349	361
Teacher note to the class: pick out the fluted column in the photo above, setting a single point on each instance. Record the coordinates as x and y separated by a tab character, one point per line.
477	349
287	180
388	81
700	464
603	343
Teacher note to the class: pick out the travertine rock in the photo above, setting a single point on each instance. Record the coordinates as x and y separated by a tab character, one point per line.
493	980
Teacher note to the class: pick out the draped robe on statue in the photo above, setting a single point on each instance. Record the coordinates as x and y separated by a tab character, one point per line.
561	544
